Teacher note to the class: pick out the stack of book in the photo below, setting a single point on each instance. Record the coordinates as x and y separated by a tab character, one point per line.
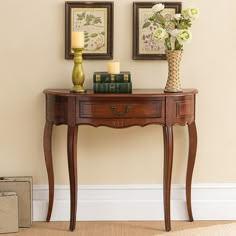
104	82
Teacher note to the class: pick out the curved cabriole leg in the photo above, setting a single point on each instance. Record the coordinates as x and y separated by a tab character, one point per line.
72	165
168	160
191	160
47	145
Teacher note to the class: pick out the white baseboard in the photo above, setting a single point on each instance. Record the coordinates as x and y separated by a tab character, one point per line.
136	202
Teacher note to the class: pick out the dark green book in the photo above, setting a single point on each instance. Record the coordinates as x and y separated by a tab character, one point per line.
104	77
112	87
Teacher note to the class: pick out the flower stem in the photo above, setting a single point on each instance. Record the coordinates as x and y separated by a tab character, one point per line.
168	43
178	46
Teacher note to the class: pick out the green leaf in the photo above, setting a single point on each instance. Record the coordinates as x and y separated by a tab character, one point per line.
96	21
94	35
80	17
146	24
86	45
160	19
151	18
103	33
184	24
178	46
86	40
88	19
168	43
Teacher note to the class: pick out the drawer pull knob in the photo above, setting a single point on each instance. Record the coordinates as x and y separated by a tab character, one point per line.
120	113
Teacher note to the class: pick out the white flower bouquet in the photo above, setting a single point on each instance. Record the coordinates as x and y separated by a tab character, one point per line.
172	29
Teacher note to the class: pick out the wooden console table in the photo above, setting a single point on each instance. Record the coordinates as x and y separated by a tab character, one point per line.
142	107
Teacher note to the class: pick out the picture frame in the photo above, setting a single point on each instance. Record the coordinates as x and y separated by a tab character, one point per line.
144	46
96	20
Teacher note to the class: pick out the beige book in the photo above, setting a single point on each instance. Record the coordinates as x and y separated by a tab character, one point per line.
8	212
23	188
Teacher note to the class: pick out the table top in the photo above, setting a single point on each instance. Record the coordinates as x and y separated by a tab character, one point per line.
135	92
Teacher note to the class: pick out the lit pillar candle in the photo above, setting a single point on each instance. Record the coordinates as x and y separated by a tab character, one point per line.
77	39
113	67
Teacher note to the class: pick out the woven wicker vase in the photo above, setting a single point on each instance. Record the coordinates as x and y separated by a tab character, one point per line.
173	82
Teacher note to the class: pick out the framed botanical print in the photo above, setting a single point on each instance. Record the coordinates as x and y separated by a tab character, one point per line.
144	45
96	20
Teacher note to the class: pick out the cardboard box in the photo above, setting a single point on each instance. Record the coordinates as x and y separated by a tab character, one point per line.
23	188
8	212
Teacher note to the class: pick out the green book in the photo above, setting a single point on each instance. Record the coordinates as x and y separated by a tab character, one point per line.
104	77
112	87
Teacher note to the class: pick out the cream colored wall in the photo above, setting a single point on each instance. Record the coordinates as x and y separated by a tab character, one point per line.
32	59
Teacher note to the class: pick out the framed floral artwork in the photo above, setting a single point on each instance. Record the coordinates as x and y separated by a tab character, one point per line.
145	47
96	20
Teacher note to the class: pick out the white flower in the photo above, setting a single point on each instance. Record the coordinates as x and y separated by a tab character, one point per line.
190	13
177	16
160	34
158	7
184	36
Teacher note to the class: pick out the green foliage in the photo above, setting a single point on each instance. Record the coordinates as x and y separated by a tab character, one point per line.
89	36
151	18
160	19
89	19
146	24
168	43
184	24
93	35
178	46
81	16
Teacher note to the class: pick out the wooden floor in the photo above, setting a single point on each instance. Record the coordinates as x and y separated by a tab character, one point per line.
124	228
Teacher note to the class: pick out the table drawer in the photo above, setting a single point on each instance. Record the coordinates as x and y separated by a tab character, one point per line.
124	109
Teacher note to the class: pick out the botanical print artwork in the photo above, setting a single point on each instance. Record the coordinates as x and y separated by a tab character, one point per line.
147	43
93	21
